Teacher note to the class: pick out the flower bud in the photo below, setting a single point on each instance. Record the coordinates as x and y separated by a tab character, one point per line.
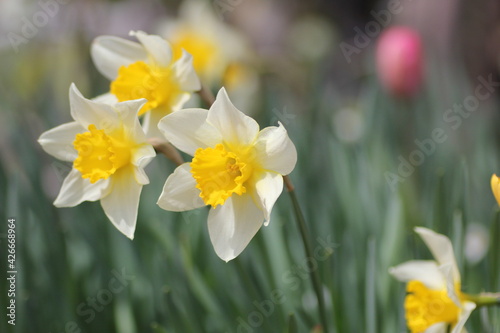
399	60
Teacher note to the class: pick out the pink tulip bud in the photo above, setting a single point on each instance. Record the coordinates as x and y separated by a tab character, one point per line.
399	60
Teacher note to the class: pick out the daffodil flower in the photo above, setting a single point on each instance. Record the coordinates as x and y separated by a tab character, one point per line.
236	169
109	150
146	70
434	300
217	49
495	187
222	56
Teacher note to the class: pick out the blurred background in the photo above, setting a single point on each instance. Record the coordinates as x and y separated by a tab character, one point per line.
393	107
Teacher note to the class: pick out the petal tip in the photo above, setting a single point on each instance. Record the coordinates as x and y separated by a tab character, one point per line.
74	92
59	204
226	259
421	230
495	187
223	92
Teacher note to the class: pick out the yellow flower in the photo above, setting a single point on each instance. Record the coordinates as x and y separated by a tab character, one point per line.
236	168
146	70
109	150
495	187
434	300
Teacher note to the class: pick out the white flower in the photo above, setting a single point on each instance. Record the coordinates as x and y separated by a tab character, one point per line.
146	70
213	44
109	150
434	299
236	169
222	56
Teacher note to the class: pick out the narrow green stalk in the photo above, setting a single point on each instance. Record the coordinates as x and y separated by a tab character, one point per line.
484	299
292	324
316	282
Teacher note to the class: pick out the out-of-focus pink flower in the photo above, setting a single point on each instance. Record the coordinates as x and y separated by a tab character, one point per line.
400	60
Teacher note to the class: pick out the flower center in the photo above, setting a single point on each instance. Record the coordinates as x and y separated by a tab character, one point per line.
219	173
235	74
140	80
100	155
425	307
204	51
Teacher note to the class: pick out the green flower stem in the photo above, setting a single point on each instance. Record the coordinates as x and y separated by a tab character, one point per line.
316	282
484	299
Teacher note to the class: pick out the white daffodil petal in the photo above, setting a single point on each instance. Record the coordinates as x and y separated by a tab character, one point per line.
275	150
76	189
152	118
437	328
150	123
122	202
180	192
142	155
446	272
140	176
184	71
88	112
179	101
110	53
187	130
467	309
58	141
268	188
127	112
107	98
425	271
158	48
236	127
232	225
441	248
195	12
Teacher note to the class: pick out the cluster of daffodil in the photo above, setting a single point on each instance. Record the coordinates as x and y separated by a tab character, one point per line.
237	169
435	302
